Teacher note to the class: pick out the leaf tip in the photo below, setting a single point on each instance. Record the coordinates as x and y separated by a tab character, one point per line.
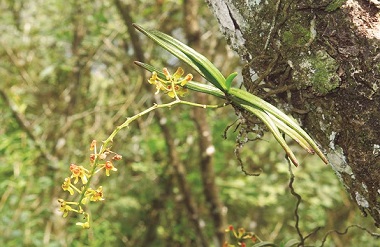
325	159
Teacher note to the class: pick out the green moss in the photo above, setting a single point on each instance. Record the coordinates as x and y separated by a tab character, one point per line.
296	35
335	4
318	71
324	78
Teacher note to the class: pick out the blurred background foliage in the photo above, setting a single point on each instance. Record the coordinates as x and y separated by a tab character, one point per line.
67	77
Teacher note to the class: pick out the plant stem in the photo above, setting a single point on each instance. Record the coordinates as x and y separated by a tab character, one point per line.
129	120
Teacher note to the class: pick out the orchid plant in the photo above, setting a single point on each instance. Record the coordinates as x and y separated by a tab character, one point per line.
175	86
272	117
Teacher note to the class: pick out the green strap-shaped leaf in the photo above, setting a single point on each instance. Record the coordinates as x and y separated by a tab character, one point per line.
260	103
292	134
292	242
211	73
197	61
151	68
229	80
264	244
170	48
267	120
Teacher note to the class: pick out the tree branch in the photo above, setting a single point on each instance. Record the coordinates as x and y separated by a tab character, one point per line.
27	128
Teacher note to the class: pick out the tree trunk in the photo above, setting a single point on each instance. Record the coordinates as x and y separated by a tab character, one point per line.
320	60
206	160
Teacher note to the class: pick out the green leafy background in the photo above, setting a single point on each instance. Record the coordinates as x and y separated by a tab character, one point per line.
67	67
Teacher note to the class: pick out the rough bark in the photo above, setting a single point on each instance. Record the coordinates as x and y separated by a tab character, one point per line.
320	61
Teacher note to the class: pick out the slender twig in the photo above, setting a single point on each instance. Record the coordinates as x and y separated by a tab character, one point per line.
27	128
24	74
299	199
313	232
375	235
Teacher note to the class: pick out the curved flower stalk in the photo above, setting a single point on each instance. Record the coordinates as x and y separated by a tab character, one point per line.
272	117
102	159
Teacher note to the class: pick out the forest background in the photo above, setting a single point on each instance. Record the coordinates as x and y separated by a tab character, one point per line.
68	77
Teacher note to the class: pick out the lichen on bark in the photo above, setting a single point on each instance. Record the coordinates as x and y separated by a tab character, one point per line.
317	71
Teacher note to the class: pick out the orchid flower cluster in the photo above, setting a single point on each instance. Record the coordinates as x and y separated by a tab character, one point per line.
173	85
240	237
98	162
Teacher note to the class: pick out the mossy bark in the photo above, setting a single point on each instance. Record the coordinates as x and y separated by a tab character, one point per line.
321	60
